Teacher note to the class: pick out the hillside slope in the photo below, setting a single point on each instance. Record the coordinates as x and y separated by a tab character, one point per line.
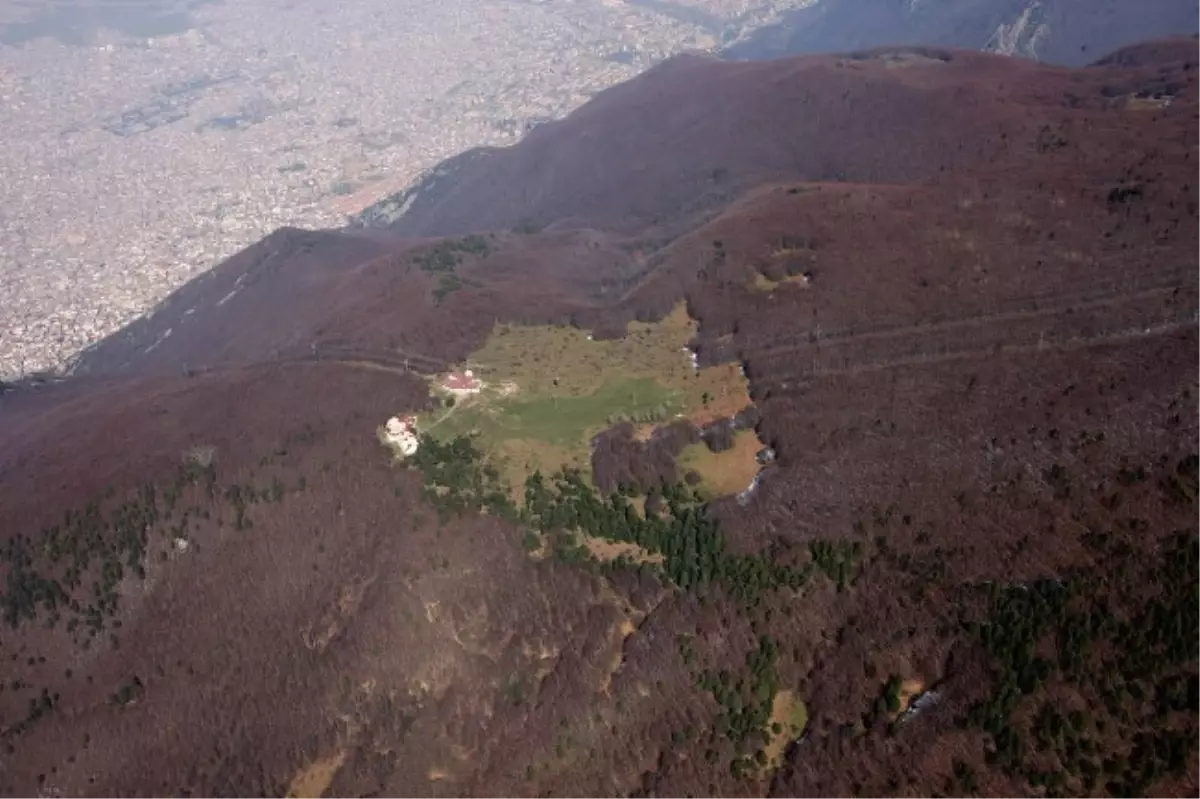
913	512
692	133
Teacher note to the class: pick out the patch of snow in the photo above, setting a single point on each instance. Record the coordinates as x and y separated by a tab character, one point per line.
921	703
237	286
745	496
160	340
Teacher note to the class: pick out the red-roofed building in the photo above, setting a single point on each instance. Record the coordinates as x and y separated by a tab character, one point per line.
462	383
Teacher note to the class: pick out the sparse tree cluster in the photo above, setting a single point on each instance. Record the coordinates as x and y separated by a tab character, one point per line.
686	536
69	573
446	255
457	480
694	552
719	437
836	559
1102	632
656	414
746	703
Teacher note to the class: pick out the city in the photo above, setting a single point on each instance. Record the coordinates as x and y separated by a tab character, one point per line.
135	157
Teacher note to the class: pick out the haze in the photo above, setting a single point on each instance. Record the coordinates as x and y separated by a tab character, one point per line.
146	141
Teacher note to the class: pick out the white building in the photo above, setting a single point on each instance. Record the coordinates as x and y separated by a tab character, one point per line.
401	433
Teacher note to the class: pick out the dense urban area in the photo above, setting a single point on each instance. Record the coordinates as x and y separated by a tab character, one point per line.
145	142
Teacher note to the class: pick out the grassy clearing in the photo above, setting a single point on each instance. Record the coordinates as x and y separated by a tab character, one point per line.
611	550
535	357
601	549
623	630
789	717
789	260
517	458
722	391
551	389
564	421
545	432
909	690
766	284
314	779
643	432
723	473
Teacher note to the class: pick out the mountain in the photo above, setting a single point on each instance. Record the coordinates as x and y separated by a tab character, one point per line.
831	430
614	164
627	167
1068	32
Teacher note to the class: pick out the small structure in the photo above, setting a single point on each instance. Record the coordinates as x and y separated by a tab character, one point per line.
401	433
765	455
461	384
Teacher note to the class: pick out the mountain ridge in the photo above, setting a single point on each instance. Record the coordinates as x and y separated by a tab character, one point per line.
685	79
1066	32
945	317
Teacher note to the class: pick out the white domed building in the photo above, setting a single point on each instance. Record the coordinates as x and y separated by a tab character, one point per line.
401	433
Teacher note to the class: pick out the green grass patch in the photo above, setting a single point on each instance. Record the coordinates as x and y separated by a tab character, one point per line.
723	473
789	717
449	253
536	357
797	719
549	390
766	284
558	429
566	421
545	360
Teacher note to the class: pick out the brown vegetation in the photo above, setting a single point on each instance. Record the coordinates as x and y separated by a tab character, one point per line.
984	409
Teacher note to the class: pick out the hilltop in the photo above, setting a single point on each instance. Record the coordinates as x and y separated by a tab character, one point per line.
834	434
717	128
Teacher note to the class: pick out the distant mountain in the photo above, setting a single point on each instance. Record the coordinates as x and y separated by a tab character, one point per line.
1070	32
